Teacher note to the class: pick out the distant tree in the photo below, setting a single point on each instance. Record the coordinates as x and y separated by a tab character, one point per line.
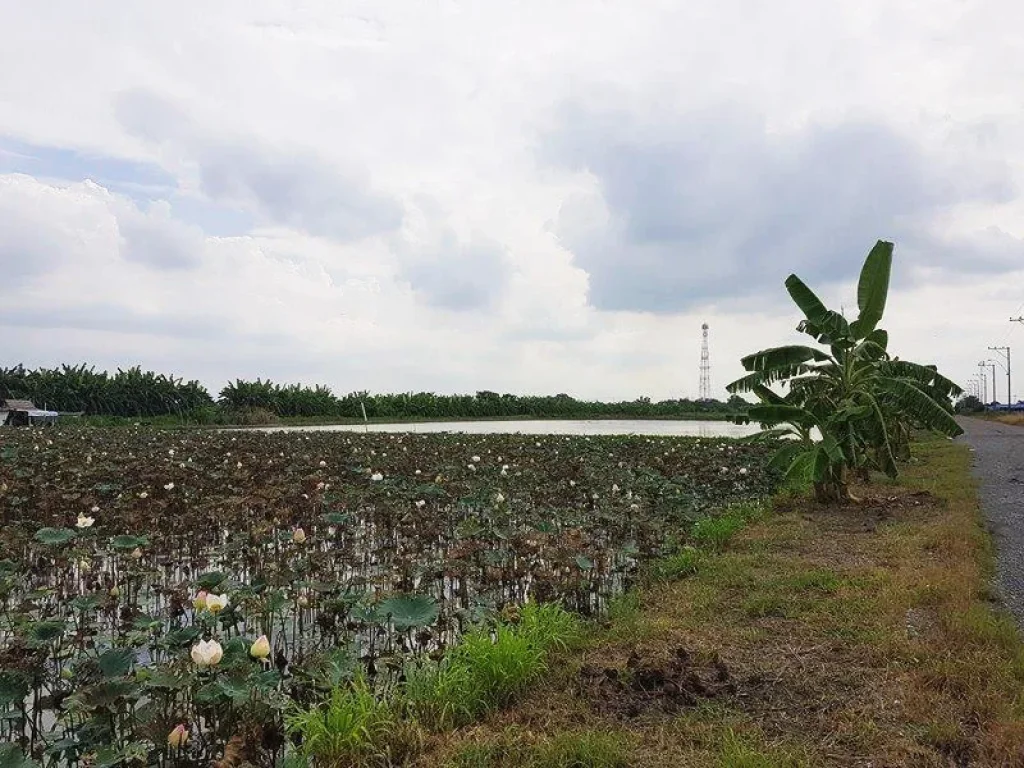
969	404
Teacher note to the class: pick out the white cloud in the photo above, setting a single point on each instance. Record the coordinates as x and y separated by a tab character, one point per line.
398	219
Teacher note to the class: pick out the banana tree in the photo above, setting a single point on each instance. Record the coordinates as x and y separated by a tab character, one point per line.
850	405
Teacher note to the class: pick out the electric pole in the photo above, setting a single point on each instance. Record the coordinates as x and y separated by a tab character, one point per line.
1005	352
984	382
1012	320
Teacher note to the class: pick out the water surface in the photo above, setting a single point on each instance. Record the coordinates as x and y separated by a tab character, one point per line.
662	427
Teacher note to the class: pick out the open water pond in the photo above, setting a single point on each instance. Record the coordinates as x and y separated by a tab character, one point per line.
662	427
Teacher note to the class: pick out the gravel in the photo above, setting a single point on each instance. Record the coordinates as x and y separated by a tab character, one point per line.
999	466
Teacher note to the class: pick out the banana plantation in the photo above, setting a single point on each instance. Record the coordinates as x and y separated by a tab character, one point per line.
296	400
137	393
131	392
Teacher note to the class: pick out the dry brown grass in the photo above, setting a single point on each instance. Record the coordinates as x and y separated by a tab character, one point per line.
861	635
1016	419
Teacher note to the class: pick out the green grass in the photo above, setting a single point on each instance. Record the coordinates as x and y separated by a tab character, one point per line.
485	671
353	727
549	627
740	752
489	667
569	749
501	664
686	562
441	694
715	532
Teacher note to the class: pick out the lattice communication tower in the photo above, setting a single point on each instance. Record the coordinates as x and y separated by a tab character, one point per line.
705	365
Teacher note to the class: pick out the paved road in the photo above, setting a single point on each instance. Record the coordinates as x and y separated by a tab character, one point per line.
999	467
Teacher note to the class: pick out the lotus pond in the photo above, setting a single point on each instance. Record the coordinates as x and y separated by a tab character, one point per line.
156	582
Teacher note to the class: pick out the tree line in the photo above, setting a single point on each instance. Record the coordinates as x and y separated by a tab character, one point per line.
137	393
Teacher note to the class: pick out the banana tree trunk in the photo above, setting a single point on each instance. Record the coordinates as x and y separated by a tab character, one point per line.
834	488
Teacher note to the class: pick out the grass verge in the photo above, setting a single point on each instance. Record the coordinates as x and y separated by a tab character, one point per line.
1013	419
854	635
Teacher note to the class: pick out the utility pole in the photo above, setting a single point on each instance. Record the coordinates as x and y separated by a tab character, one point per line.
984	382
1012	320
1005	352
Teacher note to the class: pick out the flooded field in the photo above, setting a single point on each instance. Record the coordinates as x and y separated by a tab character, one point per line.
131	558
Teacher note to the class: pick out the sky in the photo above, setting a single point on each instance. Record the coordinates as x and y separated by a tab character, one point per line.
536	196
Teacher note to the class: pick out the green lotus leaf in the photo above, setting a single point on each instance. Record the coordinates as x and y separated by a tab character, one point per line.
55	537
14	687
12	757
210	580
116	662
43	632
584	563
410	611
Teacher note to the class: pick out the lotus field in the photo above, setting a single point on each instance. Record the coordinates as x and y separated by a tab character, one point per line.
162	590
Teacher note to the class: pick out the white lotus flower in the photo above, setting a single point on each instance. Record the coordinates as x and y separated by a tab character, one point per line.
169	487
475	459
471	468
84	521
323	463
144	495
298	536
743	470
94	510
376	477
216	603
420	504
207	653
499	497
418	472
615	488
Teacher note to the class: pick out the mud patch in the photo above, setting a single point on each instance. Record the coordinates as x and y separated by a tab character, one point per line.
664	682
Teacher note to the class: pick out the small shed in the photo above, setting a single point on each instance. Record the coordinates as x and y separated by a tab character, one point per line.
23	413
